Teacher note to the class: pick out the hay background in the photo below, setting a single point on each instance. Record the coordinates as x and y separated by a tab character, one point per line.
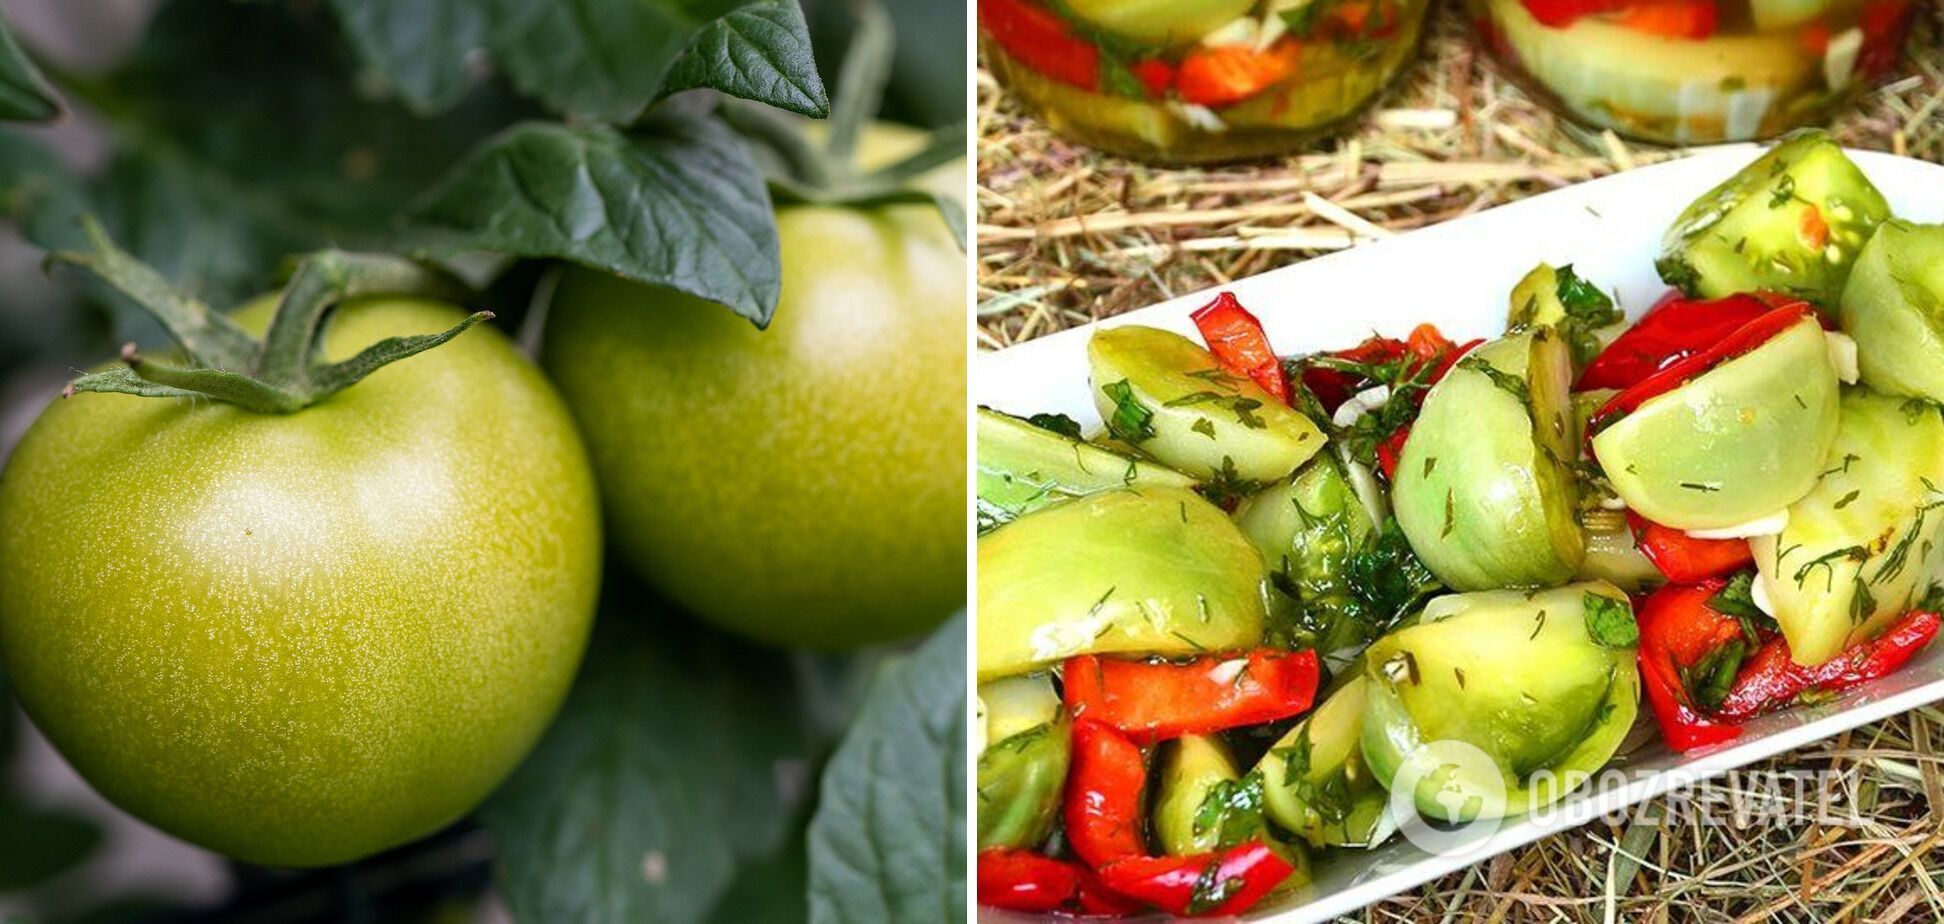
1066	236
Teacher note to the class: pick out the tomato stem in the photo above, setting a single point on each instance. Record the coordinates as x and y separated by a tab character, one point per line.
284	372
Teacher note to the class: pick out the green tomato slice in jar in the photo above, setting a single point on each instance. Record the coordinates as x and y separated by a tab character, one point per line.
1792	221
1161	393
1726	88
1893	305
1142	570
1314	779
1734	444
1543	683
1023	467
1482	490
1159	22
1851	558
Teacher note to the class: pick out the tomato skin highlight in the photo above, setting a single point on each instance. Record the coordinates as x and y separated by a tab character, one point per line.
301	639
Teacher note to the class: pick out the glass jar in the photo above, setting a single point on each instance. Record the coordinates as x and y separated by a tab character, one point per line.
1196	81
1695	71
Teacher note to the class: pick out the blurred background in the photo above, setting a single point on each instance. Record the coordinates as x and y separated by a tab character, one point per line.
214	138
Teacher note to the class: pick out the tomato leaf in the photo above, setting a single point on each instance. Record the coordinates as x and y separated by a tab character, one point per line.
606	60
676	202
888	840
421	48
680	756
24	94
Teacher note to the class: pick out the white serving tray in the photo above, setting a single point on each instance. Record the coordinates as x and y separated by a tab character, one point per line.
1457	276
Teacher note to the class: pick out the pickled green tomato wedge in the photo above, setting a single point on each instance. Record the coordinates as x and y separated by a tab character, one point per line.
1852	556
1793	221
1738	442
1193	768
1307	528
1012	705
1314	779
1160	392
1556	297
1023	467
1613	556
1020	780
1893	305
1160	22
1481	488
1142	570
1519	675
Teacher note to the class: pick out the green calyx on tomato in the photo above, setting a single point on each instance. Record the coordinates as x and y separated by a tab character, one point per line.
283	371
300	639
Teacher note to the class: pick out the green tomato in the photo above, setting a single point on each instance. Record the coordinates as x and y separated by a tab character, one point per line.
804	484
302	639
1851	558
1542	682
1165	395
1481	490
1141	570
1196	767
1741	441
1314	779
1893	305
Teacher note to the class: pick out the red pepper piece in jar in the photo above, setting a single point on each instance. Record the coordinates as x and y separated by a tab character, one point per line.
1678	631
1229	882
1675	328
1239	344
1558	14
1040	40
1683	558
1692	20
1154	74
1104	794
1154	701
1020	880
1771	680
1743	340
1219	75
1885	23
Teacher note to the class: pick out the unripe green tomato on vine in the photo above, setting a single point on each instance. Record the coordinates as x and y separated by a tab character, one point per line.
802	484
299	639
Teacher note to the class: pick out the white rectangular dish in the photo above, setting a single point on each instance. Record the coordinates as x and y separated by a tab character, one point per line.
1457	276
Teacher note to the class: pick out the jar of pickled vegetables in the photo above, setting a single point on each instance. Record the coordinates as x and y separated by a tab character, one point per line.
1695	71
1195	81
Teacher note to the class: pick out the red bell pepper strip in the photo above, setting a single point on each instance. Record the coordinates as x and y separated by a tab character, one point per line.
1677	630
1332	387
1390	450
1675	328
1096	899
1038	39
1104	794
1771	680
1744	339
1683	558
1020	880
1675	19
1236	338
1558	14
1154	701
1885	23
1219	75
1229	882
